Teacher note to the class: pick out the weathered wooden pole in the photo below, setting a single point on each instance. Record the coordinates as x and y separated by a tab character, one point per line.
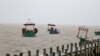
15	55
91	49
94	51
81	50
29	53
59	54
66	52
37	52
88	47
93	41
71	49
57	49
67	47
7	54
75	44
21	54
51	50
99	46
44	52
96	47
85	49
63	48
53	53
76	50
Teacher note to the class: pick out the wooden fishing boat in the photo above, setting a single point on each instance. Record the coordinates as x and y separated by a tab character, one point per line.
29	30
97	32
52	29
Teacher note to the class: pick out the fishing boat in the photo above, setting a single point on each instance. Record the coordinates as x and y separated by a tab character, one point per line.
52	29
97	32
83	39
29	29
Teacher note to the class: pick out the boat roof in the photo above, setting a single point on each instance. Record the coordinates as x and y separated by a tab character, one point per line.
83	28
28	24
51	25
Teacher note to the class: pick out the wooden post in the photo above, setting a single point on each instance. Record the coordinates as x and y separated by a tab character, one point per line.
65	52
99	46
15	55
96	47
75	44
7	54
53	53
21	54
29	53
57	49
44	52
59	54
85	49
63	48
71	49
81	51
37	52
94	51
91	49
51	50
67	47
88	48
76	50
93	41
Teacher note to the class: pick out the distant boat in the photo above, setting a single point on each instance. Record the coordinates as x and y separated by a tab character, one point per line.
52	29
97	32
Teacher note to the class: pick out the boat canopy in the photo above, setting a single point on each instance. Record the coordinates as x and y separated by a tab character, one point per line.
29	24
51	25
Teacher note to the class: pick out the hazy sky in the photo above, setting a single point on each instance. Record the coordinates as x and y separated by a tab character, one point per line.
81	12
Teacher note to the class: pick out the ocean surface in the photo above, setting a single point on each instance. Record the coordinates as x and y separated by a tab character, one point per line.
12	41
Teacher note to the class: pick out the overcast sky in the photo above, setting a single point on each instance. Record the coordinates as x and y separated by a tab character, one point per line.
71	12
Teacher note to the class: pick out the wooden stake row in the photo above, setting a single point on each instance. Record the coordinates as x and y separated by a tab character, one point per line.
90	48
